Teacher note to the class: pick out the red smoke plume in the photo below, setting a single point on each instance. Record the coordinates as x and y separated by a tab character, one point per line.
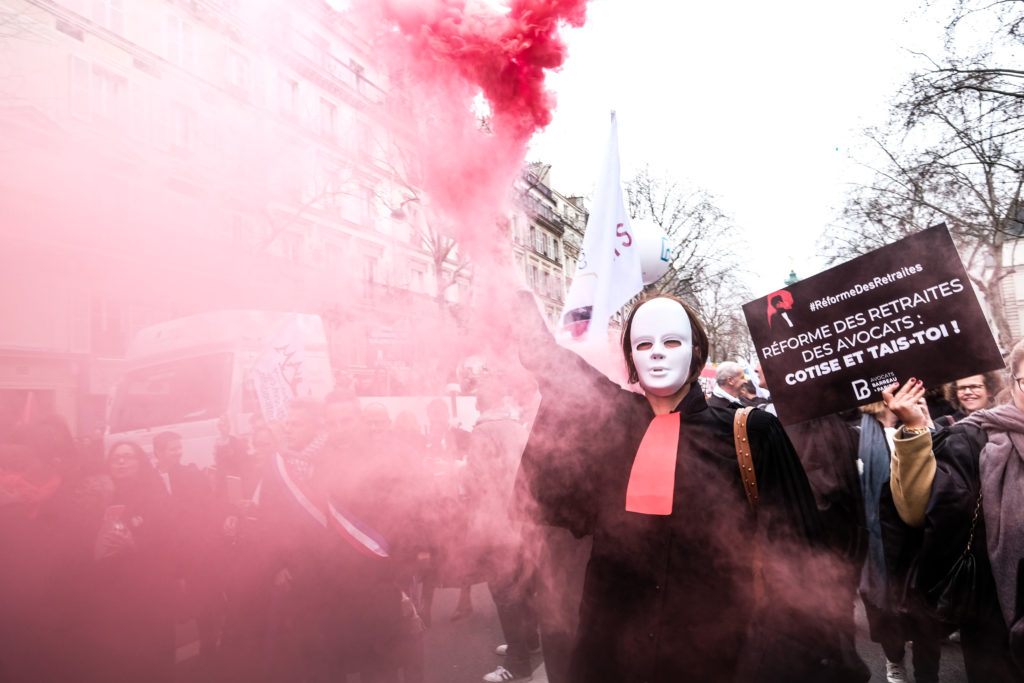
506	55
445	53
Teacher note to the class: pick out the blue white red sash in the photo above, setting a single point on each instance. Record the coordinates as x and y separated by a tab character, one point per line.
359	534
355	532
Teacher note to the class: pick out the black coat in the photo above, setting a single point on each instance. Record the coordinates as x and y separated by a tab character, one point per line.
669	598
827	447
919	559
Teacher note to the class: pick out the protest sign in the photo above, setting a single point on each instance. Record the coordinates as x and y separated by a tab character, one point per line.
278	373
837	339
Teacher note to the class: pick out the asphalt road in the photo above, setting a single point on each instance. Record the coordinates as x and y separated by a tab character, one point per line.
462	651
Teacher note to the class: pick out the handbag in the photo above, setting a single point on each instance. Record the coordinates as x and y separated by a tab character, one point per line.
956	597
837	661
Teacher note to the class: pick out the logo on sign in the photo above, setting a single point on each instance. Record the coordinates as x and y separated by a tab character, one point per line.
860	389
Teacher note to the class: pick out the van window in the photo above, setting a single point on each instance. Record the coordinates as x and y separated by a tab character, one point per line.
186	390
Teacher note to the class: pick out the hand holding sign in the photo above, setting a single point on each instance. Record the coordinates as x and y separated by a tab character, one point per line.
908	403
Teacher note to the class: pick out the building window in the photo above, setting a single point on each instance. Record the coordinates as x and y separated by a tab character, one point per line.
293	245
328	118
288	94
81	87
109	14
178	44
182	127
138	111
98	93
357	70
108	94
74	5
321	48
239	72
332	254
369	269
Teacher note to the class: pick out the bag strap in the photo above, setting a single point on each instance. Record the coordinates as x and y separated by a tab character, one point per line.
743	456
974	523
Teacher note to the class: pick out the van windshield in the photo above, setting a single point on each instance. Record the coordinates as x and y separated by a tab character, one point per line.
185	390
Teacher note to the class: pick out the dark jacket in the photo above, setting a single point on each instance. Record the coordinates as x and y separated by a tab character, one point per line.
131	597
670	598
919	559
827	447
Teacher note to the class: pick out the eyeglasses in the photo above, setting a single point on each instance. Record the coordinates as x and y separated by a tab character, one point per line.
973	388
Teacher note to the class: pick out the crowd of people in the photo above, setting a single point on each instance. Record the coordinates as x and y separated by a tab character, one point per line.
309	551
621	532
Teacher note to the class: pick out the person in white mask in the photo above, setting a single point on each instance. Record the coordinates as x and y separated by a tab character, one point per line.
669	594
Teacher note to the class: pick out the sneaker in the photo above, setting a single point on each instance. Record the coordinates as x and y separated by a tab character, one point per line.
503	649
895	672
502	674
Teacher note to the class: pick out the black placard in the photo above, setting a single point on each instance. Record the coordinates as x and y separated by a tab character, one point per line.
835	340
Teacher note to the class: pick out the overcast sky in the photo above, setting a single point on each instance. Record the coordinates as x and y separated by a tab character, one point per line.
761	104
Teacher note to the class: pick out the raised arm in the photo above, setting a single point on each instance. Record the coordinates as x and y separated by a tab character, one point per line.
912	466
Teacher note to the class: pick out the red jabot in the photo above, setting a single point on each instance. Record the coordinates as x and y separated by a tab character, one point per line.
653	478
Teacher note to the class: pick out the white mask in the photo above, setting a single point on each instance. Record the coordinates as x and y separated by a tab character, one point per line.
661	344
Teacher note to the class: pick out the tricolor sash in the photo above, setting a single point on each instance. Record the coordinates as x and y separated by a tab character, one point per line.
360	535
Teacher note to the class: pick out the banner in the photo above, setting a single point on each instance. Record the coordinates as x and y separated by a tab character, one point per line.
837	339
277	375
608	273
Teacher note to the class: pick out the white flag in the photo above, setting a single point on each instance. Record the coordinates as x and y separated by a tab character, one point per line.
608	274
277	375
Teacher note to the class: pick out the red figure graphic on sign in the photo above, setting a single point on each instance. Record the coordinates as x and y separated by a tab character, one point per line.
780	303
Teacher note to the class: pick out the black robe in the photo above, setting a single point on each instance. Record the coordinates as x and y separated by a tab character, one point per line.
671	598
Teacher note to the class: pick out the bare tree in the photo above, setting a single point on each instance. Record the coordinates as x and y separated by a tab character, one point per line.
720	303
704	269
698	230
448	262
988	27
952	152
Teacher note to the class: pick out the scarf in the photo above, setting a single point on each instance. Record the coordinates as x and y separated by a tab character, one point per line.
873	451
1001	469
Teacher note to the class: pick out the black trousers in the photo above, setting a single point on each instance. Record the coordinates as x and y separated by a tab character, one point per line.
510	579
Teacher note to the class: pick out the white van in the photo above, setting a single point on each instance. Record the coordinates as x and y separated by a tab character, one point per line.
183	375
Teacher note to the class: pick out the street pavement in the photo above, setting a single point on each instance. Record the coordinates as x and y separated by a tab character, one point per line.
951	662
462	651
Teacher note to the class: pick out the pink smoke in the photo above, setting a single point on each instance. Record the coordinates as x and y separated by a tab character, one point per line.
447	52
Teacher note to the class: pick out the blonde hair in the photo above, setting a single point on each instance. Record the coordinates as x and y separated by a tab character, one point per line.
873	408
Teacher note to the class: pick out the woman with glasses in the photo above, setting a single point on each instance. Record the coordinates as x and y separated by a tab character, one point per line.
971	394
961	488
130	586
